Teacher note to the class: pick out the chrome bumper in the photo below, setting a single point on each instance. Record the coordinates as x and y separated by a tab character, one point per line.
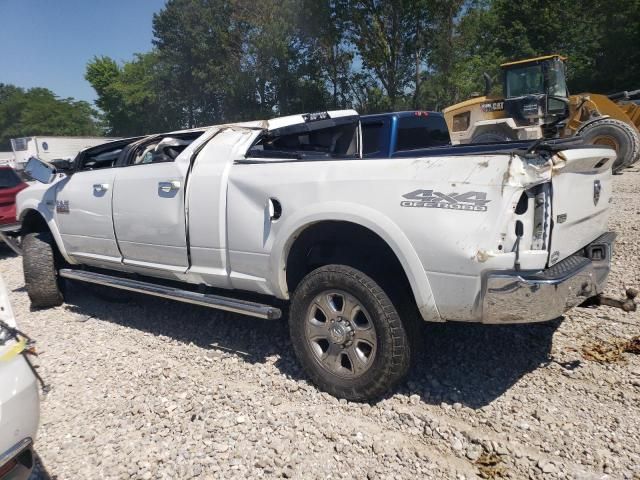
525	297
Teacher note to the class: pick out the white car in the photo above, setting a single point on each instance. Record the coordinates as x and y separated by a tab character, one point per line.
257	216
19	400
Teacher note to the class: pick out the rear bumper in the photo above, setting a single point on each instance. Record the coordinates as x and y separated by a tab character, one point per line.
525	297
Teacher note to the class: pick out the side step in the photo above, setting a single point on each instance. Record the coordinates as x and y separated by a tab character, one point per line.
212	301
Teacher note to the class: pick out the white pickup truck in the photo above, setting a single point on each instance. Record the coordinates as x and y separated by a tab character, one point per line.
264	216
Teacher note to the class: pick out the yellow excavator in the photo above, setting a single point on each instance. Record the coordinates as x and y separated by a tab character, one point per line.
535	103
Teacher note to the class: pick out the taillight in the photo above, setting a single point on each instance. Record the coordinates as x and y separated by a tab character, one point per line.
541	217
534	210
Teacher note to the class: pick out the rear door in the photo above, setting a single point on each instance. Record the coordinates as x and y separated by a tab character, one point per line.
83	205
582	189
149	204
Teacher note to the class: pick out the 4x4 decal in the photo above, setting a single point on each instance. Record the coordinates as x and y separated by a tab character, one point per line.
470	201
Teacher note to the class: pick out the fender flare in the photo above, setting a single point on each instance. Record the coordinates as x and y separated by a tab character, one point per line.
368	218
32	206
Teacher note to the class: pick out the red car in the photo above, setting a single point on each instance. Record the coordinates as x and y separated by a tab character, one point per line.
10	185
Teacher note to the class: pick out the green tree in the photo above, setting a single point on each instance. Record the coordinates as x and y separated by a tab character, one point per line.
391	40
284	56
130	96
462	50
225	60
616	60
323	25
538	27
38	111
200	45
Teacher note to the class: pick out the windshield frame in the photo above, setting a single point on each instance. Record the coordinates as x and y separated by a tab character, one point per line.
511	73
545	86
561	78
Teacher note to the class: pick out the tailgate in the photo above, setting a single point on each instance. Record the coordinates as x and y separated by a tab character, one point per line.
582	189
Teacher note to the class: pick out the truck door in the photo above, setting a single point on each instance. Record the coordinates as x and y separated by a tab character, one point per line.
83	205
149	204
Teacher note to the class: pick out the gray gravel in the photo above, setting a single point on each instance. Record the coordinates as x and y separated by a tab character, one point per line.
154	389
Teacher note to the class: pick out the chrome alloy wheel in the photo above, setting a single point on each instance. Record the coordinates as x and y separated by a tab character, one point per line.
341	334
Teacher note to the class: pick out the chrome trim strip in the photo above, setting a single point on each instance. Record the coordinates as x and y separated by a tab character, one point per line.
228	304
16	450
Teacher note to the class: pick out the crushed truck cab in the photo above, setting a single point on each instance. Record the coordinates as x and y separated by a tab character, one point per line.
288	213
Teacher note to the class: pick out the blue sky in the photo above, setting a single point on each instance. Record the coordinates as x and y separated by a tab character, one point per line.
47	43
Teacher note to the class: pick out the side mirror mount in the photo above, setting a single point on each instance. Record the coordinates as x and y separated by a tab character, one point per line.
62	164
41	171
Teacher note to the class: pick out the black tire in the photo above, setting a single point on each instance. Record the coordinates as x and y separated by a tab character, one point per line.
391	352
40	270
492	136
614	133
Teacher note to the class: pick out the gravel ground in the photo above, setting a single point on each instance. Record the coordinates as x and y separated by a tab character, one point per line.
155	389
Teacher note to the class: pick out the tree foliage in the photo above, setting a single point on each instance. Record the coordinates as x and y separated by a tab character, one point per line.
38	111
227	60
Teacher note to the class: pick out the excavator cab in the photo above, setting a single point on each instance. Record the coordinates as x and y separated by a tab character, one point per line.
535	91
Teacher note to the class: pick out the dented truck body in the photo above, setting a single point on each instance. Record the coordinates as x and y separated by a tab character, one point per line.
510	236
450	220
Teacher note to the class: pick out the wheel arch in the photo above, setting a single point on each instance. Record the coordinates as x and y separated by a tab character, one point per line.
339	218
33	220
505	125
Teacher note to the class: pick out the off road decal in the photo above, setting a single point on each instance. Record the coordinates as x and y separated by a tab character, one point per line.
470	201
492	107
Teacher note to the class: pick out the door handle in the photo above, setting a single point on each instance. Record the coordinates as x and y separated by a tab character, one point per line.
169	186
100	187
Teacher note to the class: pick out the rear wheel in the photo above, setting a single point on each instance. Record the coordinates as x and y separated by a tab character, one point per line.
40	270
347	334
617	135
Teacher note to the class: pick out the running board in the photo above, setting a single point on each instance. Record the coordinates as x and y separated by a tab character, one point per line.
212	301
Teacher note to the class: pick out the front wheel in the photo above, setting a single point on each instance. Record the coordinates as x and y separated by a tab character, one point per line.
347	334
40	270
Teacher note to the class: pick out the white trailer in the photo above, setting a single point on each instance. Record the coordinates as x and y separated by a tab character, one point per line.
51	148
6	158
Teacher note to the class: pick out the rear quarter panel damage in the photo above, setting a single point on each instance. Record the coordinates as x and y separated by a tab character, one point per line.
438	234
